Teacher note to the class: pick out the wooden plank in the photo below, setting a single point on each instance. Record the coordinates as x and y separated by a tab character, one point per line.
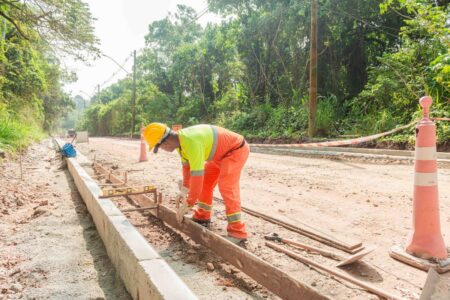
310	248
400	254
344	260
355	257
335	272
321	236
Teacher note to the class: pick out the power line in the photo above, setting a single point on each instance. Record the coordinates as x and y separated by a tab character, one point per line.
377	27
201	13
117	71
107	56
121	68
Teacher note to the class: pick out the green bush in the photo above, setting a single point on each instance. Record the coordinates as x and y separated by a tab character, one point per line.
16	130
327	116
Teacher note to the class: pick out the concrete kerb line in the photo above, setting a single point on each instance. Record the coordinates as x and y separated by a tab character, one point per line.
146	275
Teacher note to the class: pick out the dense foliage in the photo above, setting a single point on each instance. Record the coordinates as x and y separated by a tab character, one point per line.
250	72
33	34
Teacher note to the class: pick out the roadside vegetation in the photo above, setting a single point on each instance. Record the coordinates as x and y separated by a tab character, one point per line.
33	34
250	72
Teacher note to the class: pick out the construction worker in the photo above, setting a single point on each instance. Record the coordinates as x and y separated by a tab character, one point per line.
210	156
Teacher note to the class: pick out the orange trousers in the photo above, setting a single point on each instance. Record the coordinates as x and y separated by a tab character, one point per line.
226	173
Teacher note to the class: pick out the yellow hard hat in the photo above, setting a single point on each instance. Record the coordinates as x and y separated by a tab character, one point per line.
154	133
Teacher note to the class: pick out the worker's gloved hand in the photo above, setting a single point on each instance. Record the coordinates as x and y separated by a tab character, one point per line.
182	208
183	190
182	205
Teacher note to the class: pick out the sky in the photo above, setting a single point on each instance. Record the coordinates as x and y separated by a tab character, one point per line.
121	26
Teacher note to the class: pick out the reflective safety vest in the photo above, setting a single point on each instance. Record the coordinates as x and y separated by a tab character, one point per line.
199	144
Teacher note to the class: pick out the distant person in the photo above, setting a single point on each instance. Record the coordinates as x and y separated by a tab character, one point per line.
210	155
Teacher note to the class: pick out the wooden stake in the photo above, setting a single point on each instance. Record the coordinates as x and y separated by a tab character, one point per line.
20	161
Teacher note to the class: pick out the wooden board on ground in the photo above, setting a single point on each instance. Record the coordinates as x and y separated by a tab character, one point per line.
400	254
343	243
355	257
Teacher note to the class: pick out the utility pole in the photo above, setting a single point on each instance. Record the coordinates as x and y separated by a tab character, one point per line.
133	96
98	93
313	72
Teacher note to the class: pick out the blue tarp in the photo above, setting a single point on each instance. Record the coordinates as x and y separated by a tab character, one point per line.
68	150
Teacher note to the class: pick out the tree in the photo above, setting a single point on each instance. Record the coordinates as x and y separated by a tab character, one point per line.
65	25
34	33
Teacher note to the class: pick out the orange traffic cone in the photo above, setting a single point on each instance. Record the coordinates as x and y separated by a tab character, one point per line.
426	240
143	154
176	127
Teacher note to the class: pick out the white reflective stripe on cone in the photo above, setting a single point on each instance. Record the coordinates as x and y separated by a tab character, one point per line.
425	179
425	153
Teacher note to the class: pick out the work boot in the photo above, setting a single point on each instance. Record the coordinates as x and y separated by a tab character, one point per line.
237	241
204	223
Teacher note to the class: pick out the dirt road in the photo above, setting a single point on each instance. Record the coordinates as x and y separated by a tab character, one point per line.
49	247
368	202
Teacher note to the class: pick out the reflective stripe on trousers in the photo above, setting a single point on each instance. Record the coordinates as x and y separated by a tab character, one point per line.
225	173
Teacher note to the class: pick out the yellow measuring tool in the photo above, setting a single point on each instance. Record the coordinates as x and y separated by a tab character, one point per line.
125	191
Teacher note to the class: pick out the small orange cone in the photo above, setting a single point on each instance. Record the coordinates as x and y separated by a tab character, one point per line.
143	154
426	240
176	127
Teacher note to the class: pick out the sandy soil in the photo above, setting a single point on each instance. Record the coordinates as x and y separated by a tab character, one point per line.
358	199
49	248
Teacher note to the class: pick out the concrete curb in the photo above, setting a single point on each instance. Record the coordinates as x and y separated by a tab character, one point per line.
145	273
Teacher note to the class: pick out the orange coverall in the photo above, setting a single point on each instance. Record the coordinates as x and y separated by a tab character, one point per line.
212	156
